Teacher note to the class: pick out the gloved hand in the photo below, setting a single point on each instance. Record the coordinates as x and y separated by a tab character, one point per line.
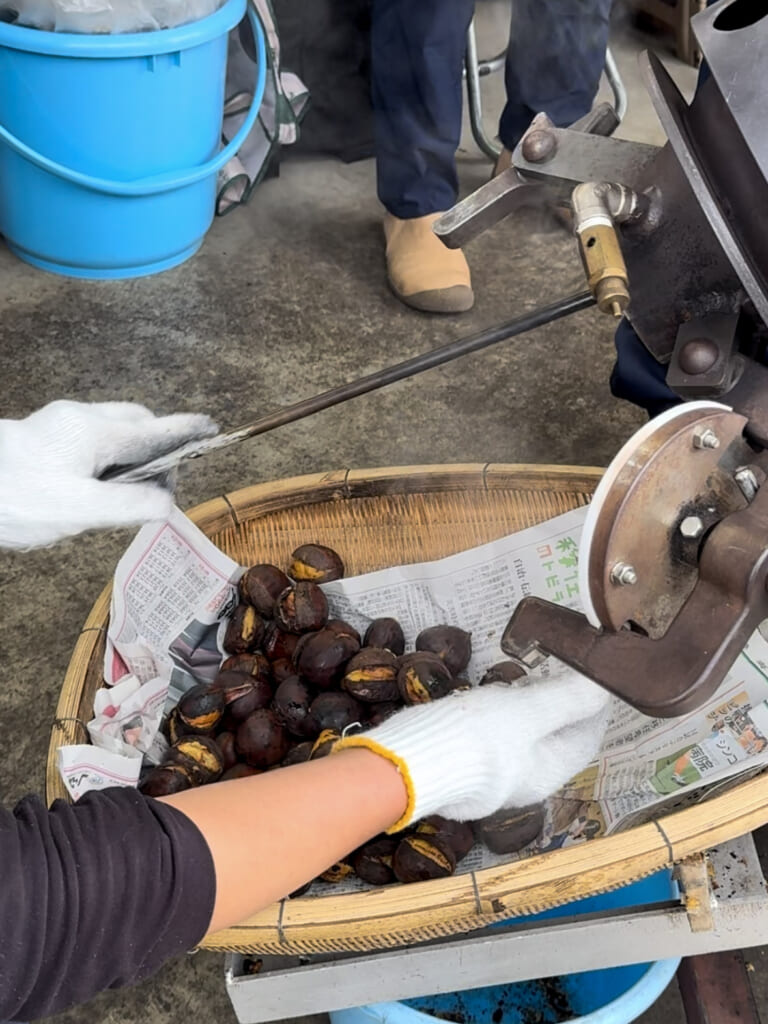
50	460
474	752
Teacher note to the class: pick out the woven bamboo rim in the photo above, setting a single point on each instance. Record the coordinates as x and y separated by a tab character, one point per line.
391	516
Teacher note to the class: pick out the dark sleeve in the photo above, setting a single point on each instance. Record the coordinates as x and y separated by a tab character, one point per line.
95	896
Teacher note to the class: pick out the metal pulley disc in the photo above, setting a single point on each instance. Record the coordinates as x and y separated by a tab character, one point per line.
667	487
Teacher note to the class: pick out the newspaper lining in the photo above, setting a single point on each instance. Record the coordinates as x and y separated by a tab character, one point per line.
173	589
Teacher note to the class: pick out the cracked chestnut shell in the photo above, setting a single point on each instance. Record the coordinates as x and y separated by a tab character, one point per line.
252	695
386	633
200	708
199	756
164	780
261	585
335	711
371	676
450	643
423	677
252	663
261	740
322	656
317	563
418	858
301	608
244	630
511	828
337	872
373	862
502	672
291	704
458	834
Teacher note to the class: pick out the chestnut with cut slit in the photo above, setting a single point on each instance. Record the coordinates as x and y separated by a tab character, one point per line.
317	563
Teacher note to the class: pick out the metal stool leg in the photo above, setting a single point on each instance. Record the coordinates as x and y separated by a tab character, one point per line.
475	103
474	69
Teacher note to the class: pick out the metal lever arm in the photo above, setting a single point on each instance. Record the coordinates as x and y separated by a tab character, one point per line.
504	194
680	671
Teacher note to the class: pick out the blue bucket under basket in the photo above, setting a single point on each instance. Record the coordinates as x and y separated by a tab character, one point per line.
612	995
110	145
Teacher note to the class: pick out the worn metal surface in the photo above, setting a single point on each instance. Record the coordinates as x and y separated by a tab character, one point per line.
662	482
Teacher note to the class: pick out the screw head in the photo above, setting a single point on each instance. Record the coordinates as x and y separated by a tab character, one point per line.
706	438
691	527
539	145
623	575
747	481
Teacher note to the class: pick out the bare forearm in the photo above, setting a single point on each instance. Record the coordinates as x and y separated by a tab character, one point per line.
269	834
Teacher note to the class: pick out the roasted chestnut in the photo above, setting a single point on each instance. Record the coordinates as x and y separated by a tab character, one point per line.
510	829
423	677
317	563
386	633
336	711
373	862
261	585
322	656
458	834
261	740
372	675
225	741
419	857
199	756
174	728
200	708
239	771
164	780
252	696
343	629
503	672
450	643
291	707
282	669
244	630
278	644
301	608
298	754
252	663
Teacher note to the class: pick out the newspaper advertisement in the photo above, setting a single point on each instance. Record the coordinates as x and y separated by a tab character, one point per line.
174	590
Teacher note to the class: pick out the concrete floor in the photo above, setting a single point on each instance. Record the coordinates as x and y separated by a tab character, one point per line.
286	298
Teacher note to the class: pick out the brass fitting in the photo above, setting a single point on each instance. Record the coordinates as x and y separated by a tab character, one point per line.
597	207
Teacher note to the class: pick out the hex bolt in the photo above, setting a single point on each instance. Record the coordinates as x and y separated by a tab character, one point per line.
623	575
747	481
691	527
706	438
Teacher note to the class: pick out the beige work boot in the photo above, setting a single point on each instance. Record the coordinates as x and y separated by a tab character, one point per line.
503	162
422	272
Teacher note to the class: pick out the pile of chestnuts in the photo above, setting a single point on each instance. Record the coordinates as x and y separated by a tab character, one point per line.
295	679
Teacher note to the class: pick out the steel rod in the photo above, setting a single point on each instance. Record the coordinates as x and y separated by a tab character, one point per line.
360	386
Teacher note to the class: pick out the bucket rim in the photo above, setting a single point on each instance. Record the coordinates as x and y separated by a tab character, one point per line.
129	44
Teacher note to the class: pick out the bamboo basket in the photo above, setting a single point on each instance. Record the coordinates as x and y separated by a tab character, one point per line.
378	518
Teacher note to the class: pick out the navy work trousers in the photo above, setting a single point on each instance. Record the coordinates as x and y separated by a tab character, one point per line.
554	61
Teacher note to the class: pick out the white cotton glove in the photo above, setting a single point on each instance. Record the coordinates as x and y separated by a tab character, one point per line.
472	753
49	463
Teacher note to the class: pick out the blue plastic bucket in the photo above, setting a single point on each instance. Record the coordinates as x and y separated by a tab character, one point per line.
109	144
612	995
